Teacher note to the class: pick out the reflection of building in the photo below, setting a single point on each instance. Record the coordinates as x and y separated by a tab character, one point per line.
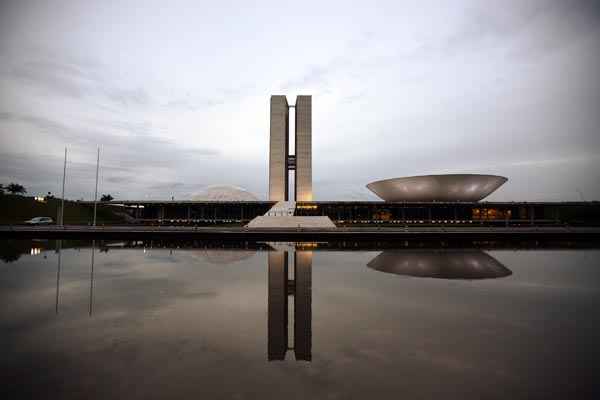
278	305
450	187
443	264
303	305
280	289
280	161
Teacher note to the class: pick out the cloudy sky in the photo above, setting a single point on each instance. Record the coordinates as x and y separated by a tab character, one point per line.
176	93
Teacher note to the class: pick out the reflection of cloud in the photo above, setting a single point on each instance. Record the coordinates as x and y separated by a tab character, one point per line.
199	295
224	257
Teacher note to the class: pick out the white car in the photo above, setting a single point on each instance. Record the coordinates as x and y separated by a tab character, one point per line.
40	221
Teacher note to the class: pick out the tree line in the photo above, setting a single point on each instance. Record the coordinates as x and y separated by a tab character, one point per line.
13	188
16	188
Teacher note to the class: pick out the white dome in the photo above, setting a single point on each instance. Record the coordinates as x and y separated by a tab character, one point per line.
224	193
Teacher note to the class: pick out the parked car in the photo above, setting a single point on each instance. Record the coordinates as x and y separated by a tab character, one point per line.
40	221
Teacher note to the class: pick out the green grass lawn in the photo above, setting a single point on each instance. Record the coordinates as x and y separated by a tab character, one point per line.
15	209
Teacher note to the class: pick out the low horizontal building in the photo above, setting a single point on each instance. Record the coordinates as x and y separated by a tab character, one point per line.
364	212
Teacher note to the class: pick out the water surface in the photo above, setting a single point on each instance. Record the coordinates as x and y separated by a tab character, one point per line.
291	321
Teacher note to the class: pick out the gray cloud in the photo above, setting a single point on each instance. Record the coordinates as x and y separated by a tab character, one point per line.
126	97
193	105
64	75
471	87
72	77
122	168
41	74
315	75
120	179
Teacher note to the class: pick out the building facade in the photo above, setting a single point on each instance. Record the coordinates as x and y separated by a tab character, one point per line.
280	161
278	149
303	181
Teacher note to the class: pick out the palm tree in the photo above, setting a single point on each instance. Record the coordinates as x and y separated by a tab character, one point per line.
15	188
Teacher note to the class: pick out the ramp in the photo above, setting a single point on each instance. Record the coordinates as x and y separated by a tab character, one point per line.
266	221
281	215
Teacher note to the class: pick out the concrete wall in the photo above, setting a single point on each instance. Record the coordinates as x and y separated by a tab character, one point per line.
304	148
278	149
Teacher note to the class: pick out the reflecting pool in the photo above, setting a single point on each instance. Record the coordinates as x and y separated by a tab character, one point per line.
146	319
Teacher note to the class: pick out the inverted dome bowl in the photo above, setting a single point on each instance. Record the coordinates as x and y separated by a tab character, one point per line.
449	187
444	264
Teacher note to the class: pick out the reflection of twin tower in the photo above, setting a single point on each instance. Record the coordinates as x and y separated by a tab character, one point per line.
467	264
423	263
281	288
280	161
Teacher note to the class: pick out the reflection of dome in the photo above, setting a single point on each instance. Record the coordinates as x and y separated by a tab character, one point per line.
444	264
227	256
224	193
449	187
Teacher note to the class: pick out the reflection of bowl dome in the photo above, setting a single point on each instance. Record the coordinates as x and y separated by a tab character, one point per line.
444	264
449	187
224	193
227	256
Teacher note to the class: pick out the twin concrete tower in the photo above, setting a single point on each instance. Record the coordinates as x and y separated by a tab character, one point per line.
280	161
283	213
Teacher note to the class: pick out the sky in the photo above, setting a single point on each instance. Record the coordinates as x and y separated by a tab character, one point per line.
176	94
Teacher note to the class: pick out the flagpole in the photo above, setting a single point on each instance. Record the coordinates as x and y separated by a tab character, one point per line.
62	205
96	192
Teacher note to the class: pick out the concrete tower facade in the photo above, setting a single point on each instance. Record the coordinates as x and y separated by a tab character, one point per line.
280	161
303	187
278	149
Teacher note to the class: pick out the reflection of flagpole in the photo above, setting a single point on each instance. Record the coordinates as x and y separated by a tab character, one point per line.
96	192
92	278
59	245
